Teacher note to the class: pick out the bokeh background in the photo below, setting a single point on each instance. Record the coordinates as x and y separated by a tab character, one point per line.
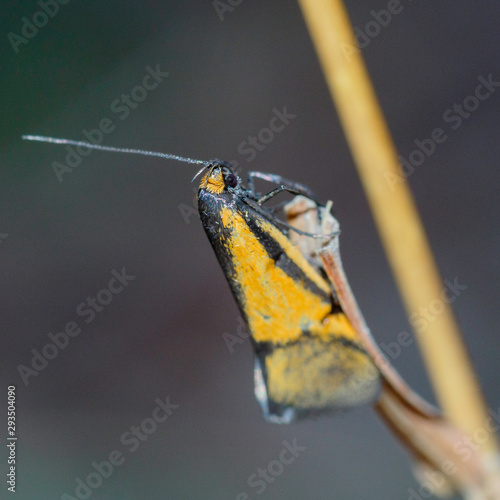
163	335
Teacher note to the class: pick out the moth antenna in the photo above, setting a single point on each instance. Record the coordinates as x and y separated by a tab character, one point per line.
199	172
55	140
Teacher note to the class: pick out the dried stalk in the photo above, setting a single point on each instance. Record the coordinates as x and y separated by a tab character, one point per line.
422	429
397	220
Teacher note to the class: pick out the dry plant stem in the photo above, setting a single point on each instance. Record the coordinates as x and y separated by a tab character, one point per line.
419	426
396	216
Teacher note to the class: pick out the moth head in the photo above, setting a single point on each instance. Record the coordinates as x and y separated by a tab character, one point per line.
219	178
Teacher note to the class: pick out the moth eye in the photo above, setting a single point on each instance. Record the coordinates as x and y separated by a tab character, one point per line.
231	180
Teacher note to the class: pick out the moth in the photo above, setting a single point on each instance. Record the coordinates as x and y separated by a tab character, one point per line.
308	356
313	350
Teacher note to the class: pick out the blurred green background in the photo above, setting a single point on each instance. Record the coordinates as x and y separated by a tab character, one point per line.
163	335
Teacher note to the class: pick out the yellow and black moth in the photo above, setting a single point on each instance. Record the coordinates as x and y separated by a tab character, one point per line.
308	356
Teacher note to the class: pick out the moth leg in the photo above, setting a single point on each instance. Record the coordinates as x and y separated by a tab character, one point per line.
285	184
276	191
263	211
